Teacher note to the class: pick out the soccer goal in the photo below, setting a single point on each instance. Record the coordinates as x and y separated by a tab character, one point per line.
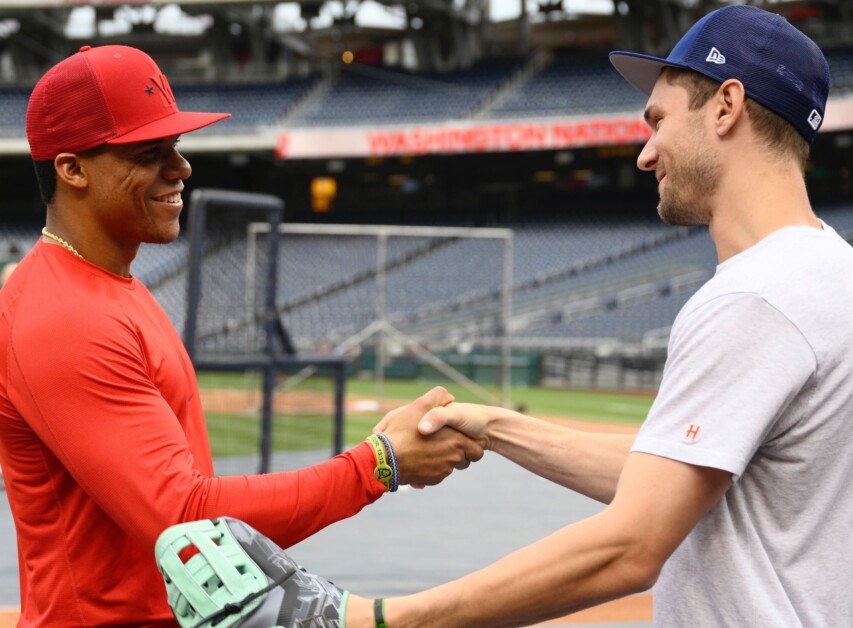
241	353
397	301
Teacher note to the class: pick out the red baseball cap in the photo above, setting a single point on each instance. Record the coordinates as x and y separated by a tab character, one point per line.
105	95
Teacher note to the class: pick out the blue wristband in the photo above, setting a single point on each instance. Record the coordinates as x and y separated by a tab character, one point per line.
392	461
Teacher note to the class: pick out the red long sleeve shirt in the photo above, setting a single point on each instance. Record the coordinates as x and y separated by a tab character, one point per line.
103	445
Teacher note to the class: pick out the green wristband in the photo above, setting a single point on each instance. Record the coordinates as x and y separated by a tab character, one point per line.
379	613
383	471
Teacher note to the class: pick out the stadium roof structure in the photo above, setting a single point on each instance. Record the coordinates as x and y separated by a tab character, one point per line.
247	42
448	34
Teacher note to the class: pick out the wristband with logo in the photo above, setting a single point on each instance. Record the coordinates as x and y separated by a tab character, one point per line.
383	471
392	460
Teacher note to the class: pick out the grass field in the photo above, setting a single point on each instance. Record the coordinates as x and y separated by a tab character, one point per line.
238	433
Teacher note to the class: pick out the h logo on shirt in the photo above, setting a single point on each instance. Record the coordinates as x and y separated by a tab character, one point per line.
691	434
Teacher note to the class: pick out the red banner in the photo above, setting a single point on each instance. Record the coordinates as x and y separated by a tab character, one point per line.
477	138
491	137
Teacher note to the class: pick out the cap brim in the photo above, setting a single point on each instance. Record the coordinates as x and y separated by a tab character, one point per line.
641	71
175	124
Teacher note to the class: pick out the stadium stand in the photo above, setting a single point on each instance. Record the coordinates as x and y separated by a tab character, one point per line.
306	276
17	237
371	95
252	107
839	215
571	278
629	323
327	285
619	281
153	264
13	111
841	70
573	82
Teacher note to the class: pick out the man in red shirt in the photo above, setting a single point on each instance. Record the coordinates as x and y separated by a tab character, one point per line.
5	273
102	436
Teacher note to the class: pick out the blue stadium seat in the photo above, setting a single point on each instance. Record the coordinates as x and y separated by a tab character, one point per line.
573	83
253	108
370	95
841	70
13	111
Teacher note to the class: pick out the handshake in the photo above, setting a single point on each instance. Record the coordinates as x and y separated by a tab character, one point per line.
432	436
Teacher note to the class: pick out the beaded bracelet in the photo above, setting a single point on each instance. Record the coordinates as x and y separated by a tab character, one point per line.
392	460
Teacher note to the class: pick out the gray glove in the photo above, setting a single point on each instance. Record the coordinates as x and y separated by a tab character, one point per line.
223	573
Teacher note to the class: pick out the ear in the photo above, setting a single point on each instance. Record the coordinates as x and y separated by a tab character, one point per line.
729	106
71	170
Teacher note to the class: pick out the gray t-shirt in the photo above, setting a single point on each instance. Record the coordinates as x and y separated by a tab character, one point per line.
759	382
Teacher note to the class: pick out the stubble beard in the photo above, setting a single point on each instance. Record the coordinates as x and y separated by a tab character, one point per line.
691	184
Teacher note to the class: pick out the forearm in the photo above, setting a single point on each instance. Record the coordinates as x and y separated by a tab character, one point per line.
580	566
291	506
617	552
586	462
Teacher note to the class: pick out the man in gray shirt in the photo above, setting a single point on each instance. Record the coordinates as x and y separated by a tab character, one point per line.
734	498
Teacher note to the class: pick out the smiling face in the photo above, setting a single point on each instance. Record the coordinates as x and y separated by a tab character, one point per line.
687	168
135	190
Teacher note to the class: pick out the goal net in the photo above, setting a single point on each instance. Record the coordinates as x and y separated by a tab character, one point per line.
402	303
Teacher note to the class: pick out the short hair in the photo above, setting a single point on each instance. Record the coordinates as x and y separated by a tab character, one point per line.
772	130
46	173
46	179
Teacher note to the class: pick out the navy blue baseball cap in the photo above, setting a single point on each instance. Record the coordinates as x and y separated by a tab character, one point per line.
779	66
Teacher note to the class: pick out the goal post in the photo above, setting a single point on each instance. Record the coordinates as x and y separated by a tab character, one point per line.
428	247
208	321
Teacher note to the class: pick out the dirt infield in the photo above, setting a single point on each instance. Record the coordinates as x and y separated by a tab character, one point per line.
290	402
311	402
8	617
594	426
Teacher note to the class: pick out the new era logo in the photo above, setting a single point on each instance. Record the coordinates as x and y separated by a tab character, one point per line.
815	119
715	56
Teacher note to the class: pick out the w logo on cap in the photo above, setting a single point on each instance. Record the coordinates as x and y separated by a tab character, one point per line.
163	89
715	56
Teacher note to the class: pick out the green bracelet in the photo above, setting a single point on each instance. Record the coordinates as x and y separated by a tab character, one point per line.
383	471
379	613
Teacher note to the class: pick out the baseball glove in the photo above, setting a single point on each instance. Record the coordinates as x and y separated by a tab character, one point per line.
223	573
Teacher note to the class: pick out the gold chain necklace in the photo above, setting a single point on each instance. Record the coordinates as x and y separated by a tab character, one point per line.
60	241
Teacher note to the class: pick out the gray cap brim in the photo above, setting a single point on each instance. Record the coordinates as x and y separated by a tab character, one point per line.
641	71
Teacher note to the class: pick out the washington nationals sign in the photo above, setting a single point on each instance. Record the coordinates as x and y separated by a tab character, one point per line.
475	138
